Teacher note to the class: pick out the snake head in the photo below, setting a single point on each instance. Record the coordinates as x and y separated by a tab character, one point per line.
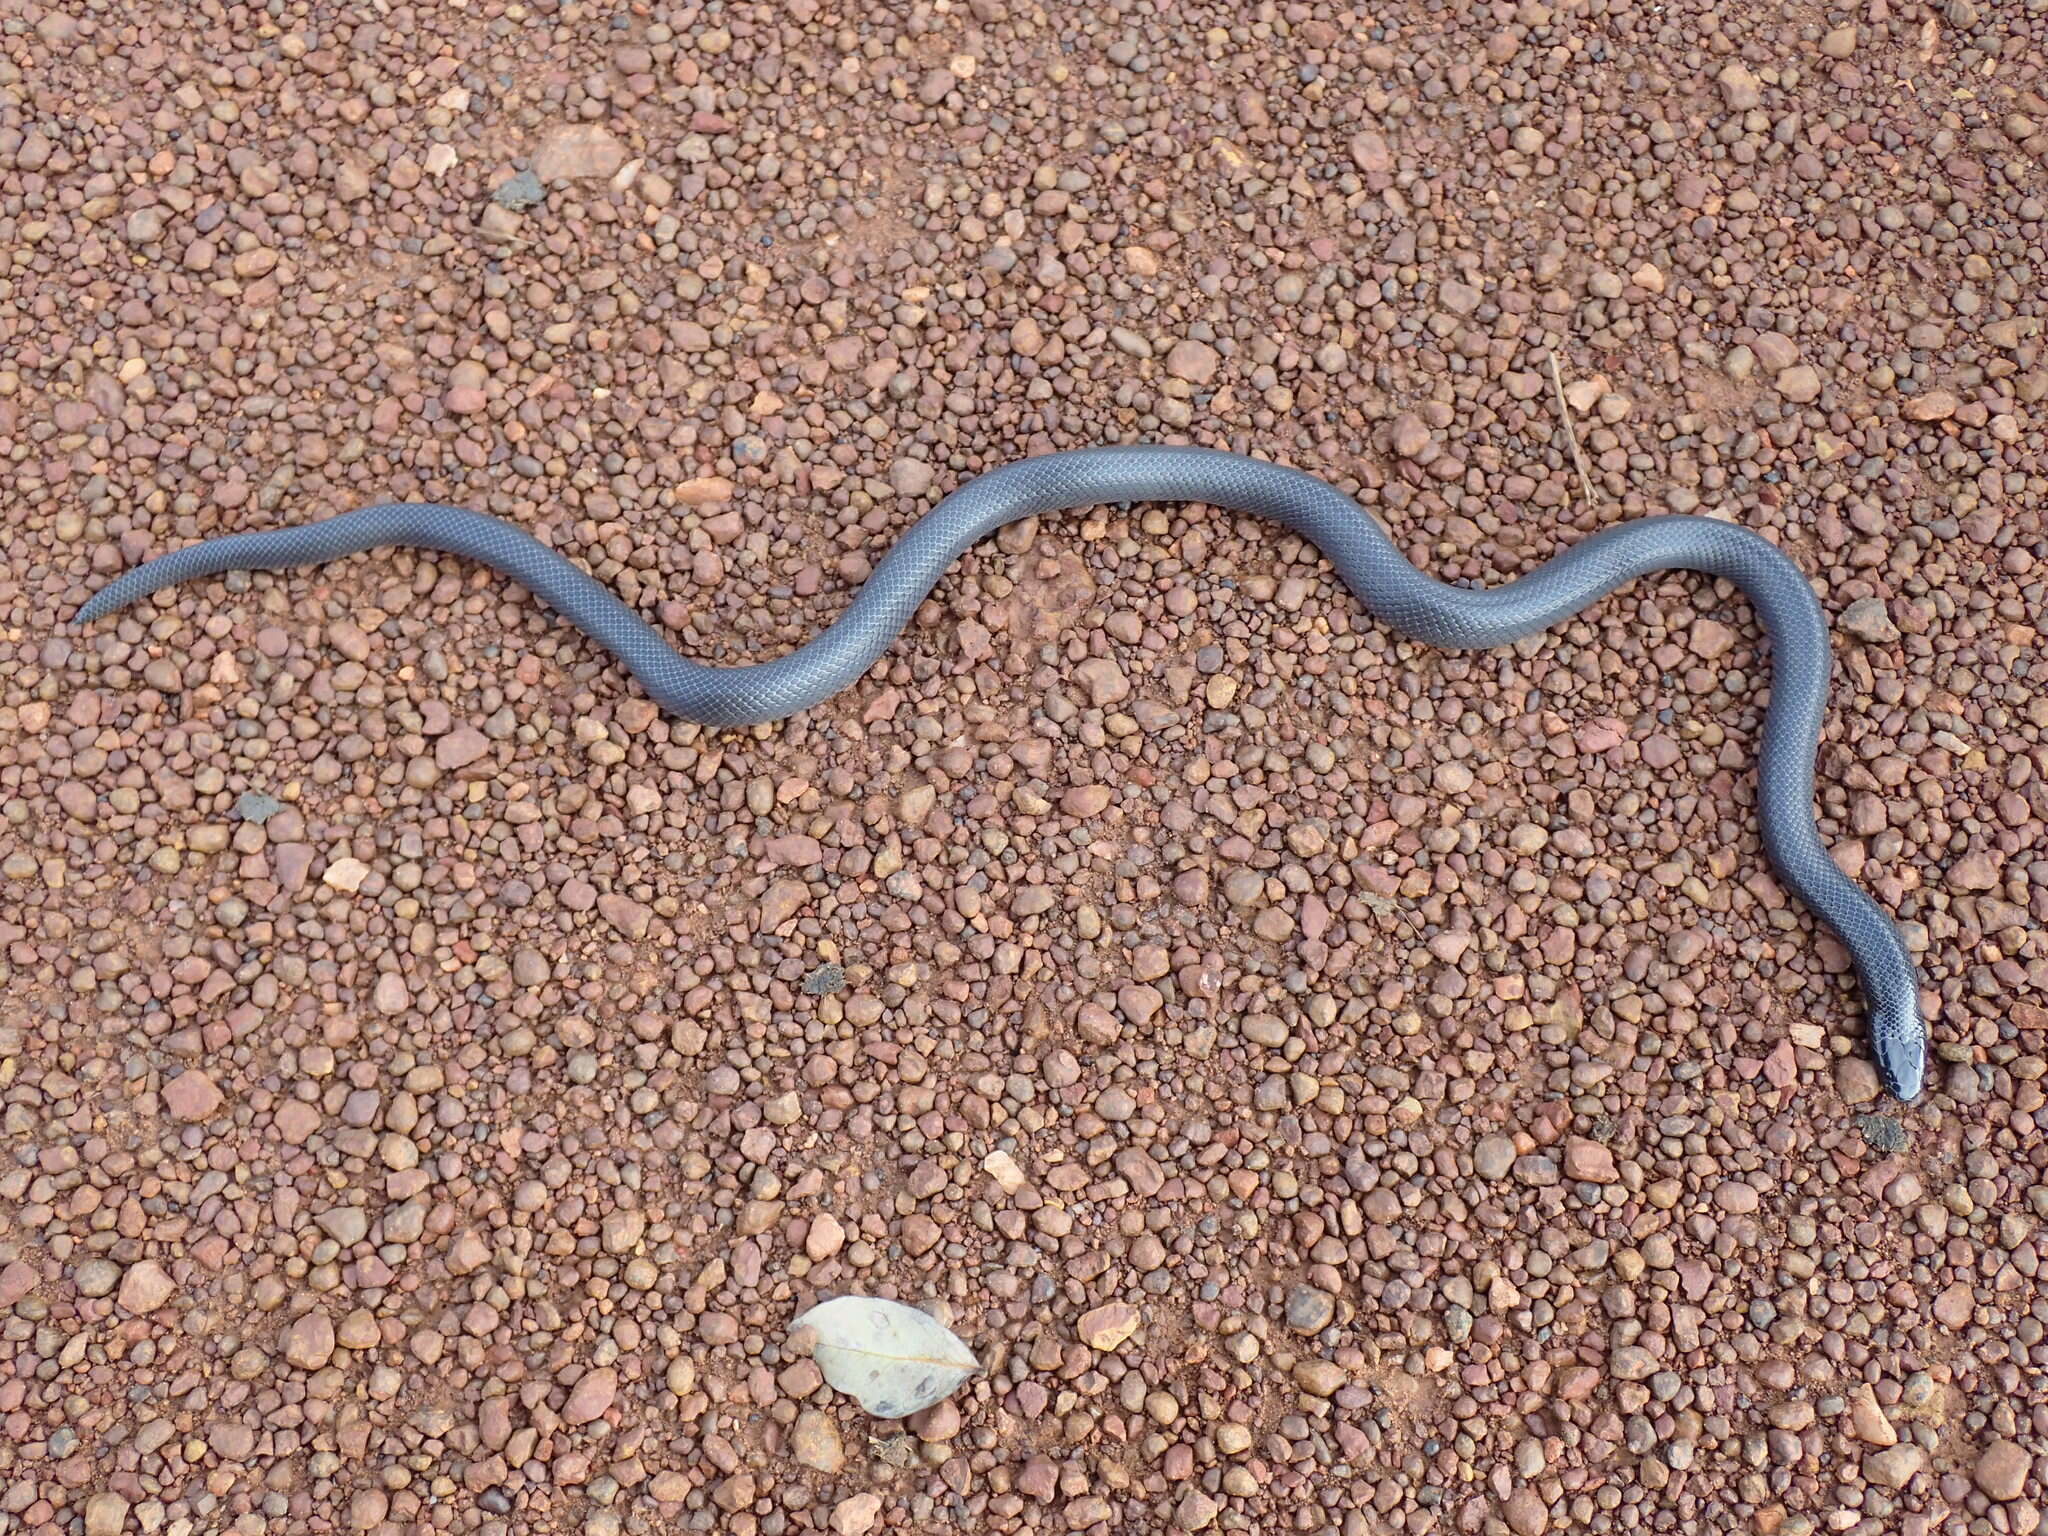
1898	1038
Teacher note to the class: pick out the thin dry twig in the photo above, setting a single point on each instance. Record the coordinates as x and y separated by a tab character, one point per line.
1571	432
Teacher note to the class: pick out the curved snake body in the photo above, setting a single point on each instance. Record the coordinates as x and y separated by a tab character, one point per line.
1393	590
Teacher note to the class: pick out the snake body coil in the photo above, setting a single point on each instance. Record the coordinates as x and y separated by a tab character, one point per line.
1417	605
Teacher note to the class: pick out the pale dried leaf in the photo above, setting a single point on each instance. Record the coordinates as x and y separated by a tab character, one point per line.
892	1359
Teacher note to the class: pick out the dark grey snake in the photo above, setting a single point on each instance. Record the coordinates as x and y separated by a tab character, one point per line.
1417	605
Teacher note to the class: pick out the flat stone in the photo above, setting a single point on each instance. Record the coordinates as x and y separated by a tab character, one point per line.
916	804
814	1441
1145	1176
1800	383
497	223
2002	1469
798	850
705	491
1104	1328
1740	89
1320	1378
1977	870
1003	1168
1589	1162
291	863
856	1514
1868	1419
1104	680
145	1288
1459	298
591	1396
1085	800
520	192
1039	1480
231	1442
259	808
1371	154
1710	640
1576	1383
782	902
1493	1157
1935	405
1894	1468
1410	436
1856	1080
106	1514
1196	1511
578	152
1661	751
1310	1310
468	1253
1956	1305
459	748
827	1235
96	1277
345	874
346	1224
191	1095
1775	351
1525	1512
1193	362
911	477
295	1120
628	916
309	1342
1631	1362
669	1486
1867	620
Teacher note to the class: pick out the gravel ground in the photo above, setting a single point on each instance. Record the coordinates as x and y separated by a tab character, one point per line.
1338	1087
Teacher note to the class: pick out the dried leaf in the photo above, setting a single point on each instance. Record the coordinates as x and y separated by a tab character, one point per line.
892	1359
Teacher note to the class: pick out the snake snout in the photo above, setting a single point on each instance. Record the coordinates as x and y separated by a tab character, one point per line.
1899	1042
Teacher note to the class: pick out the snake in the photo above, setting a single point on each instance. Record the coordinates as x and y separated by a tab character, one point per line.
1365	558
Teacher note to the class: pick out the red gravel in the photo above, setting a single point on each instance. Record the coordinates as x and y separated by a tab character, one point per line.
1338	1087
